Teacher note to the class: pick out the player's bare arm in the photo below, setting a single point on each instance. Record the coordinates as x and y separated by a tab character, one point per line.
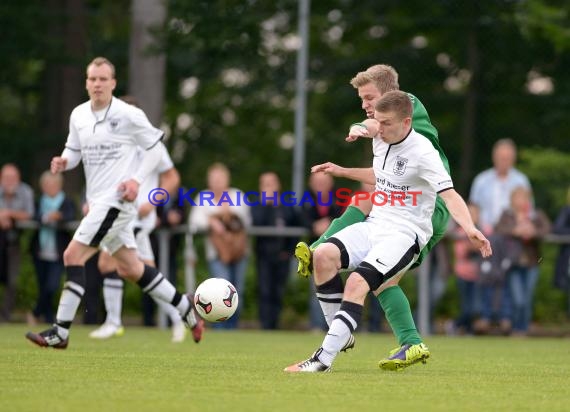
362	174
460	213
367	128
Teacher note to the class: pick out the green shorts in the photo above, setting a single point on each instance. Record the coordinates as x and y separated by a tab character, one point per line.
439	222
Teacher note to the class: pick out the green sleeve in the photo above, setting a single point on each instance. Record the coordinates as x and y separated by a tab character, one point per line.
422	124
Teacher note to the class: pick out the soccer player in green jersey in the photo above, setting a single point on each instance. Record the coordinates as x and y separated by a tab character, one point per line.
372	84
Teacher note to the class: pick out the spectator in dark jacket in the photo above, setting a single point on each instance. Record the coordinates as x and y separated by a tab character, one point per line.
53	209
16	204
524	227
272	253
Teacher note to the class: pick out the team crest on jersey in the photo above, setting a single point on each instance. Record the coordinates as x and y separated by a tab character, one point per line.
114	124
400	165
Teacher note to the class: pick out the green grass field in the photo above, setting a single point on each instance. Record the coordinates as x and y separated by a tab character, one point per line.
242	371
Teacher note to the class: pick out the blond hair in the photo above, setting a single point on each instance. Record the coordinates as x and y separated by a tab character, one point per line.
99	61
384	77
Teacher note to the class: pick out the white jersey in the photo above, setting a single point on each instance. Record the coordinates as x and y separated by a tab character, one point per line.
151	182
108	142
414	168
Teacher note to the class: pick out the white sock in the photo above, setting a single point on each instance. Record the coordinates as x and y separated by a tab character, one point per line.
113	298
170	310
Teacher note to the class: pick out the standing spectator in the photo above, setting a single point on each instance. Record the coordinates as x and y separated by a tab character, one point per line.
49	242
318	216
491	193
562	227
16	204
219	213
524	228
272	253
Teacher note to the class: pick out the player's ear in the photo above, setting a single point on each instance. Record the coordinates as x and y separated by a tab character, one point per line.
114	84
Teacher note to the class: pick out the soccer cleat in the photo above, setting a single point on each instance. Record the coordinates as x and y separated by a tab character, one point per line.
179	333
197	330
349	344
404	356
193	321
313	364
48	339
106	331
304	255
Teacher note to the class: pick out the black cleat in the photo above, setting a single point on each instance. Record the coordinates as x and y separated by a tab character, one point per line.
48	339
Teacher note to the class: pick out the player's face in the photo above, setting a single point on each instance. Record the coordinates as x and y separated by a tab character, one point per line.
392	128
369	94
100	84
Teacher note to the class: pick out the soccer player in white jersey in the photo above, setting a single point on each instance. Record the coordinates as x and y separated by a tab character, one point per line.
104	133
166	177
379	250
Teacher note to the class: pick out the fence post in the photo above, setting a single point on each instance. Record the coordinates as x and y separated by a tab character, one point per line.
424	297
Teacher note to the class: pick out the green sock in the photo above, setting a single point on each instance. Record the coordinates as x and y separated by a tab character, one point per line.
399	315
351	215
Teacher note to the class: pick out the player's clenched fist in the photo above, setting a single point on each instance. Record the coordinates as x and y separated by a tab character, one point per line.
58	164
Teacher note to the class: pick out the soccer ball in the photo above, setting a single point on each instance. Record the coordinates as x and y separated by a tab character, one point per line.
216	299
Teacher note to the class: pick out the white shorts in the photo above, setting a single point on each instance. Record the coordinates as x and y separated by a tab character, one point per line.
144	248
390	251
107	227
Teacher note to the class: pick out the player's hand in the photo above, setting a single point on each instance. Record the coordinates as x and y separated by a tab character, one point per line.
329	168
58	164
145	209
480	242
129	190
357	131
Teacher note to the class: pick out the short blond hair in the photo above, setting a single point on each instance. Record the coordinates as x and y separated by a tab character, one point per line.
384	77
397	102
99	61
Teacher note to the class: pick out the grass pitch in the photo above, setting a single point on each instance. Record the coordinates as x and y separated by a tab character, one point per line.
242	371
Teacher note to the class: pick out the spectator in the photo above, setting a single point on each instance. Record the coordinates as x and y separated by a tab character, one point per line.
524	228
490	192
272	253
219	213
318	216
562	227
16	204
49	242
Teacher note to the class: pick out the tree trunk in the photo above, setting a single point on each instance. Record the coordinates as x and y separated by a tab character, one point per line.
147	67
470	111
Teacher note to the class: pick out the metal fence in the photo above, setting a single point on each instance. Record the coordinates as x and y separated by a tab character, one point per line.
190	257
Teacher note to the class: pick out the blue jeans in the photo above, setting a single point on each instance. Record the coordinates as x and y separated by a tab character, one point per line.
467	300
234	273
522	282
48	275
495	302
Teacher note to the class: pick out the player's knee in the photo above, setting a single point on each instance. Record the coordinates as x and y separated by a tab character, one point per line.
325	256
71	257
356	288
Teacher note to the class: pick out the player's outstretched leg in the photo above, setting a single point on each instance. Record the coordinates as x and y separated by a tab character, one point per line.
404	356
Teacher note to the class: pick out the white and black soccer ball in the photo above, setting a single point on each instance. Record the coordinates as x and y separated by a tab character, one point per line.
216	299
